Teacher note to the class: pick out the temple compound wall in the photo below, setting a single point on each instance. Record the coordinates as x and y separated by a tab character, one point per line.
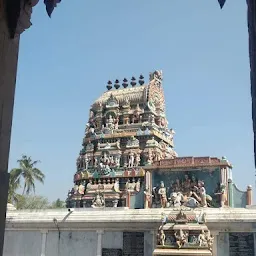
127	232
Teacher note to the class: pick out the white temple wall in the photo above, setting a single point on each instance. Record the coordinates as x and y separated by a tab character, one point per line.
68	243
88	243
112	240
31	233
71	243
22	243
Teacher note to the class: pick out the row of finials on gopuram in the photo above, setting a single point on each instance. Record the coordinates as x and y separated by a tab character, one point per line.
126	144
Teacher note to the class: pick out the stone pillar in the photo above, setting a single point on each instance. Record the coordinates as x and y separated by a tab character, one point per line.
215	243
153	233
44	237
249	195
9	49
149	243
99	242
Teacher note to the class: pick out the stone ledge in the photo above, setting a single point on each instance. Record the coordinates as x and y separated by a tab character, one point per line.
213	215
179	252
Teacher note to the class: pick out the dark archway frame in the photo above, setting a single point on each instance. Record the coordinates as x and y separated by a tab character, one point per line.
12	10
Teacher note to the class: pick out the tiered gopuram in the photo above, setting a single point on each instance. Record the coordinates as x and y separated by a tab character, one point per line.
128	157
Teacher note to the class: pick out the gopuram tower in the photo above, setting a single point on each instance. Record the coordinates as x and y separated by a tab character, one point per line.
126	131
128	158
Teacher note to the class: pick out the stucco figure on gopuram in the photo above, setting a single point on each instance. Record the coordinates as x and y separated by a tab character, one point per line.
128	157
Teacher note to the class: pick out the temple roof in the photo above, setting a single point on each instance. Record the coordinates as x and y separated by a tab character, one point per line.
134	95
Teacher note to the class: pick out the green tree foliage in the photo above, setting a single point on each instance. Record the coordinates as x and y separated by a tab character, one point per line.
14	184
32	202
25	177
58	204
28	173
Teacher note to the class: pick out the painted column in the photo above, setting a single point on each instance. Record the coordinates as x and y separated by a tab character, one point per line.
151	186
44	237
128	199
230	193
9	49
249	195
148	190
99	242
147	179
222	173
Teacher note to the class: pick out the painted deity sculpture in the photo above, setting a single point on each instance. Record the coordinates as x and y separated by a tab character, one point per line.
190	193
98	201
137	160
206	239
186	184
202	238
201	196
176	199
181	237
176	187
220	194
137	186
86	161
81	189
131	160
162	193
79	162
161	237
148	197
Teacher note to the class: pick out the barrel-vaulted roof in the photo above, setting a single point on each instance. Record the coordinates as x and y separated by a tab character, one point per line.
133	95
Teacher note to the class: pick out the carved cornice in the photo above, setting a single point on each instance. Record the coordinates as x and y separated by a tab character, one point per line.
191	162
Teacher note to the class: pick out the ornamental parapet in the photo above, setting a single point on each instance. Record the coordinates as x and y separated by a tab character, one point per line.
191	162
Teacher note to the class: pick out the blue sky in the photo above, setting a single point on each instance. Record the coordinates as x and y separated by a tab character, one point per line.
65	63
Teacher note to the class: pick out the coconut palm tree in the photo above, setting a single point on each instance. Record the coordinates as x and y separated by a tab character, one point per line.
14	184
28	172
